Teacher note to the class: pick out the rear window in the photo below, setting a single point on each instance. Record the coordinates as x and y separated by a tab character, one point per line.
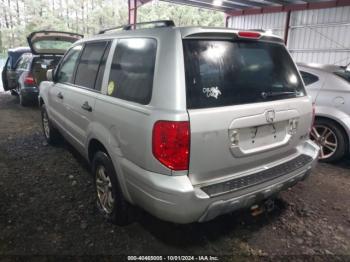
52	44
225	73
343	74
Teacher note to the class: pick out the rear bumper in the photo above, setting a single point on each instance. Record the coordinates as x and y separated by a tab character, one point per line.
175	199
30	93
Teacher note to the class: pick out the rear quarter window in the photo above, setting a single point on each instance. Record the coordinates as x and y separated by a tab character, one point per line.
132	70
225	73
308	78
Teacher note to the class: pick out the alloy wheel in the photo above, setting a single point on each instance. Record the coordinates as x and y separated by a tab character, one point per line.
326	139
104	190
46	125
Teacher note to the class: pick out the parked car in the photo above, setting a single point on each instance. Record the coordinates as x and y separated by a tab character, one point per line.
329	86
47	48
186	123
8	72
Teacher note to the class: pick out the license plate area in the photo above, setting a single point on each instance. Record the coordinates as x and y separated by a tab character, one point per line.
255	139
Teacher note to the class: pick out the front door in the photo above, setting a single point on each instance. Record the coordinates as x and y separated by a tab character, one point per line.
59	92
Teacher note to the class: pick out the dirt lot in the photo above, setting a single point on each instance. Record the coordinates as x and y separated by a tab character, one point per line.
47	207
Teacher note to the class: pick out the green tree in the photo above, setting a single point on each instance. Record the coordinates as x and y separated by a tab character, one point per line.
21	17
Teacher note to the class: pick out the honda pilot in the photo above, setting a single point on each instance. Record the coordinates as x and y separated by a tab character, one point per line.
188	123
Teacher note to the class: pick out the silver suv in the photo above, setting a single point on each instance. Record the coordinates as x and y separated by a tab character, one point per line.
186	123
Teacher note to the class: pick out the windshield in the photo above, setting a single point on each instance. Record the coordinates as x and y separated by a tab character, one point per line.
224	73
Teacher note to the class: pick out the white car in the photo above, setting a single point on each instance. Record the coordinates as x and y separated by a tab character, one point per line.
329	86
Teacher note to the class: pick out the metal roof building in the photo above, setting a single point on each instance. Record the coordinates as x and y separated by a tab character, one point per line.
314	30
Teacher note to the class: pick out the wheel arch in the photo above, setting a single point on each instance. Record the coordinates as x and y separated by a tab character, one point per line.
94	146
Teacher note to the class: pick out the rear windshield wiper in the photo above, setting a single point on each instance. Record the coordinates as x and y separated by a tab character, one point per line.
278	93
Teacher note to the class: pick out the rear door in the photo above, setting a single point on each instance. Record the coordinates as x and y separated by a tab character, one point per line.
82	94
246	103
11	75
4	78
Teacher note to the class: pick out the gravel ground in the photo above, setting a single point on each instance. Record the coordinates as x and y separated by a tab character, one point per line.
47	207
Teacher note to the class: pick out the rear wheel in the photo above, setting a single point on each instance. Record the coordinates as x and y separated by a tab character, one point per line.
51	134
110	199
330	138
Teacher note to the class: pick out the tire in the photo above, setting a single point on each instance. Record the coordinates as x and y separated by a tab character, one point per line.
115	208
333	143
51	133
13	92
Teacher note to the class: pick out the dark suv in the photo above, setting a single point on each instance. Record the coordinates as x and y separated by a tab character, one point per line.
29	70
8	72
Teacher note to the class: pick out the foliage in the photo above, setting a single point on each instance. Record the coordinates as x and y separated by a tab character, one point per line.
21	17
182	15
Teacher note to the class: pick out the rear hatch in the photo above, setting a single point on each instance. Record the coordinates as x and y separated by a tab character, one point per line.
246	103
51	42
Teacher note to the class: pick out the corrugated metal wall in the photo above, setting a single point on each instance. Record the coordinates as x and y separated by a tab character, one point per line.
317	36
274	22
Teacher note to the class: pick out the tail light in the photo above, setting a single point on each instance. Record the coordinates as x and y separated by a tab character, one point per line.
249	34
171	142
29	80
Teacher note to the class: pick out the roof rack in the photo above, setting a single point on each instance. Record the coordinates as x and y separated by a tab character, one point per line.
150	24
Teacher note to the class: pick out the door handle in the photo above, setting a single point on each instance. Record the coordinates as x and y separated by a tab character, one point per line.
59	95
86	106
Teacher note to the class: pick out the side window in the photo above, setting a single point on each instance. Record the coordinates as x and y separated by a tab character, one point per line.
25	63
308	78
20	63
89	63
66	70
132	70
101	69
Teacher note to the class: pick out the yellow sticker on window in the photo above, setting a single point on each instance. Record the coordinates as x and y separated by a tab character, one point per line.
110	88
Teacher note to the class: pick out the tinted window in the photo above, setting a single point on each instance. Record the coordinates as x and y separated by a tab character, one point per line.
223	73
132	70
26	62
101	68
20	63
66	70
89	63
23	62
308	78
343	74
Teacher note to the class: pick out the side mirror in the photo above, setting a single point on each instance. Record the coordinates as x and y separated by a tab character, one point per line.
49	75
